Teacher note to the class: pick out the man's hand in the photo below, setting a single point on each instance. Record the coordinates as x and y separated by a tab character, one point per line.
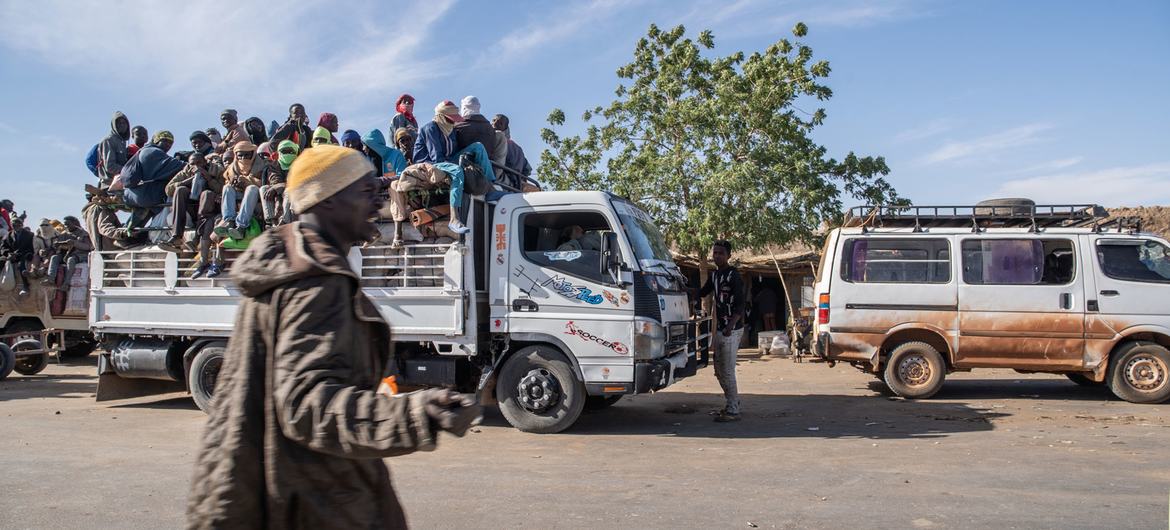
451	411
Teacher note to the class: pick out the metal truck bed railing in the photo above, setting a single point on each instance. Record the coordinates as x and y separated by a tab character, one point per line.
421	265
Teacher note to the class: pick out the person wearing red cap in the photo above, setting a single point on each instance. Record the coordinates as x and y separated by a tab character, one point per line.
405	117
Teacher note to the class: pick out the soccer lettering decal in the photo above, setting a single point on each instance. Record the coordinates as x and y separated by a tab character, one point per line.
572	329
501	237
573	292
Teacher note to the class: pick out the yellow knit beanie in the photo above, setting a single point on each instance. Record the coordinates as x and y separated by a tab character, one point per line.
321	172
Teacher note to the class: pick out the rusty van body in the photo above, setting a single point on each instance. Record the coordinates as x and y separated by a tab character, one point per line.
912	293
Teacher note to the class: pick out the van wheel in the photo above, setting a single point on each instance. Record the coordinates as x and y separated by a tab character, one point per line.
7	361
30	365
204	375
538	391
914	370
1138	373
1082	379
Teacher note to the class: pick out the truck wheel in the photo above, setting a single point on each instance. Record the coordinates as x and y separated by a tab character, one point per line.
538	391
31	365
1138	373
1082	379
204	374
7	360
601	402
915	370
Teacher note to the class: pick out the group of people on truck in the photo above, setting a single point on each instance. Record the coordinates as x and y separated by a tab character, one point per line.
230	187
27	253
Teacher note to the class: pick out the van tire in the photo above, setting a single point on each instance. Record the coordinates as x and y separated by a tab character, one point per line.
7	360
1082	380
540	367
914	370
203	377
1139	372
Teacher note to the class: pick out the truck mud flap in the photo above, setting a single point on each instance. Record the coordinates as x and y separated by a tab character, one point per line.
112	387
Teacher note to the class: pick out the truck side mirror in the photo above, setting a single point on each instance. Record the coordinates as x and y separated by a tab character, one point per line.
611	257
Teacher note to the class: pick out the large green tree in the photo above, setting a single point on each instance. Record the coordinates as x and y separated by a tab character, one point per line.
716	147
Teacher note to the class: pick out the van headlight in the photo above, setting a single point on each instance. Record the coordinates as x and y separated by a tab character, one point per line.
649	339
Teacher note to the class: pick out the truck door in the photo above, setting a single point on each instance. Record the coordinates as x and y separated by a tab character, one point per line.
556	289
1021	302
1132	276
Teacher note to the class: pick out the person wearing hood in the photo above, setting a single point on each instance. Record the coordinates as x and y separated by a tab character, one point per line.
322	136
241	194
296	128
404	119
139	135
515	159
436	145
388	160
255	129
476	128
236	133
328	120
112	153
351	139
43	248
106	232
215	136
146	175
272	193
405	144
298	429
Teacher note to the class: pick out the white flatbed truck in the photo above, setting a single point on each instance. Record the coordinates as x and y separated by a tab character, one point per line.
554	301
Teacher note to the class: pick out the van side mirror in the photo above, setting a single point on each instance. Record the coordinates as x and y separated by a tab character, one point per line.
611	257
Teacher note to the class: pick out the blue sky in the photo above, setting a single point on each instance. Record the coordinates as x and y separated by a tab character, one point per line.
1058	101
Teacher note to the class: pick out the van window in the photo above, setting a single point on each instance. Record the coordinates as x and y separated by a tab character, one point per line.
568	242
1134	260
889	260
1018	261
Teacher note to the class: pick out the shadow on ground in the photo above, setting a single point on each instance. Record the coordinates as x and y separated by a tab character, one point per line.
1022	389
780	416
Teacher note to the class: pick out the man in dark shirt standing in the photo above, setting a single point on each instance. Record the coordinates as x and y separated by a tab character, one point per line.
727	285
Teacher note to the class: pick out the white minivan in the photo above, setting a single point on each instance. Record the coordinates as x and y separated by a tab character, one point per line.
911	293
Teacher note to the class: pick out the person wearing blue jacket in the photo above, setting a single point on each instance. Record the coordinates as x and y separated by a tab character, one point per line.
145	176
436	145
389	161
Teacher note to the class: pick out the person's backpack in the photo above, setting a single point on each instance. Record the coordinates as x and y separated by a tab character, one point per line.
92	161
474	181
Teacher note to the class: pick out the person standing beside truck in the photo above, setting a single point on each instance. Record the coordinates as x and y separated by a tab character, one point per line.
728	287
297	430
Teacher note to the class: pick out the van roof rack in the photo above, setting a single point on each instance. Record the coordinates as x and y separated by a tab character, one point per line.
977	217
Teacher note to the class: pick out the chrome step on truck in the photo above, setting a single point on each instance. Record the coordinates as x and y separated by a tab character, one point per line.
553	302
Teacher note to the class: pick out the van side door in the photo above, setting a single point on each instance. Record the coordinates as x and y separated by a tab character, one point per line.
1021	302
1132	285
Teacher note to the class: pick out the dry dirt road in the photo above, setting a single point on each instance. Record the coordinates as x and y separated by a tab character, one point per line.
818	448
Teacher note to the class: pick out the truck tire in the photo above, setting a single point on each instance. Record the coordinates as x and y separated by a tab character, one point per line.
538	391
1139	372
601	402
31	365
7	360
914	370
1082	380
204	373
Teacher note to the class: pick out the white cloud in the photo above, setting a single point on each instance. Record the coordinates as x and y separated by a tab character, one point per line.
551	27
225	51
1117	186
924	131
1051	165
985	146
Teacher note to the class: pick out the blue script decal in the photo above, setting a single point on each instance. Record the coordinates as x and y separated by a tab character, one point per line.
572	292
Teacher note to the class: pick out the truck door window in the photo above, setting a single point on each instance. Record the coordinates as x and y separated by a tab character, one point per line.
568	242
892	260
1134	260
1018	261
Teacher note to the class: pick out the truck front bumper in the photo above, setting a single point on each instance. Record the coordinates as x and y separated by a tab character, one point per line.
656	374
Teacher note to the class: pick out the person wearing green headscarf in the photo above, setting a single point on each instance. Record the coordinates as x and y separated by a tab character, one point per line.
272	193
322	136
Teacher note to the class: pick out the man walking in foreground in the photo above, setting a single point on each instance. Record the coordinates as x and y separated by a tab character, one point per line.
729	301
297	430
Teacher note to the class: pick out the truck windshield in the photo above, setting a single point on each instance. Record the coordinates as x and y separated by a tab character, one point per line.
649	246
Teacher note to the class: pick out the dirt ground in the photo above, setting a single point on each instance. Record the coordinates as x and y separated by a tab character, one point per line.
818	448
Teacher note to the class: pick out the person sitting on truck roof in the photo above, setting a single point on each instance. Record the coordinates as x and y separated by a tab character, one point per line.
295	128
404	119
43	250
297	415
436	145
17	249
195	193
728	287
351	139
328	120
72	246
112	153
255	128
388	160
515	159
236	133
405	144
321	136
275	202
241	193
215	136
145	176
139	134
476	128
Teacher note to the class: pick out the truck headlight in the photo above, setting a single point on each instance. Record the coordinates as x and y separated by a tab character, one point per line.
649	339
